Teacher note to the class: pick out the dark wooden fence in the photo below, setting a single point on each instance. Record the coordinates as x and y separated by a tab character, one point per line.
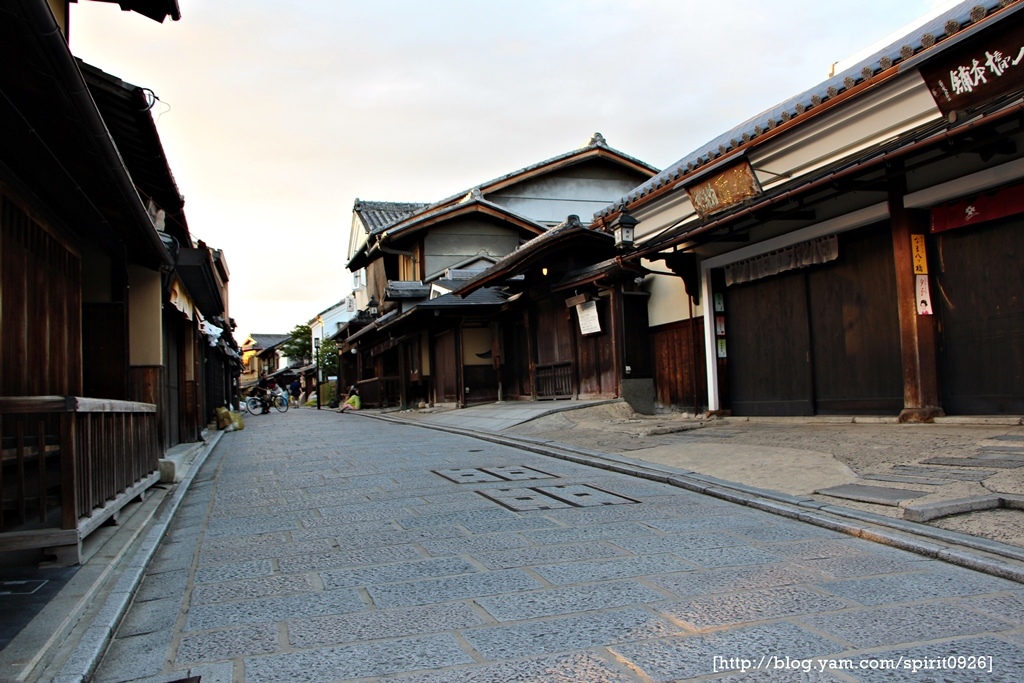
555	380
379	392
69	463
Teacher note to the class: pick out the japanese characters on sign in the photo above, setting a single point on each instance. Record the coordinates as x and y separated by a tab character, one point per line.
590	323
924	297
920	256
724	189
984	67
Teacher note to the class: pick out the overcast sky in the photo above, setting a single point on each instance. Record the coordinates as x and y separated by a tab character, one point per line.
276	116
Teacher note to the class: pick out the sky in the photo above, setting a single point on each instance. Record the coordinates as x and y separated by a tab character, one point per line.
276	116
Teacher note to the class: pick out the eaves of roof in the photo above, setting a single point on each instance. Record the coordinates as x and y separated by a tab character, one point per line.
425	220
157	10
377	216
126	111
538	247
57	144
931	38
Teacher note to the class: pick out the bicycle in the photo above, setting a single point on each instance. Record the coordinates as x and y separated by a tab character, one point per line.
275	398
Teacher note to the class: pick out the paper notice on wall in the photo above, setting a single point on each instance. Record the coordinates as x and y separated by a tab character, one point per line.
590	323
924	297
721	348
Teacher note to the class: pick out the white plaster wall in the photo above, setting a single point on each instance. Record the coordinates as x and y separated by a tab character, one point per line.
145	322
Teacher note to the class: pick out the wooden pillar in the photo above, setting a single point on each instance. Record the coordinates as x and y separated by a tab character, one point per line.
531	350
917	332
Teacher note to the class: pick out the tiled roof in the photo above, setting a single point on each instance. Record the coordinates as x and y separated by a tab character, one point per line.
268	341
485	296
750	131
376	216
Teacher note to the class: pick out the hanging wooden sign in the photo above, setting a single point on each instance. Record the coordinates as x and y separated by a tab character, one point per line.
724	189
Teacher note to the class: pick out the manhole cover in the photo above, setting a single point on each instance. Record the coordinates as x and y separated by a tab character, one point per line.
523	499
513	473
482	475
468	475
582	495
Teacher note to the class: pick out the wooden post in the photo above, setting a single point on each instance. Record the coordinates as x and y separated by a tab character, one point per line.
917	332
68	485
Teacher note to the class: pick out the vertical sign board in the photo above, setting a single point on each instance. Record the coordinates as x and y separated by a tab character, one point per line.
922	294
983	67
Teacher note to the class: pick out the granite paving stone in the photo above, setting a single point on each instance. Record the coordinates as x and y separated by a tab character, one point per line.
574	572
488	543
202	617
571	668
587	533
905	624
452	588
674	659
254	639
126	657
525	523
388	623
948	662
732	556
751	606
232	572
339	559
207	593
358	660
165	585
569	633
389	573
562	601
524	557
649	545
940	582
263	552
727	579
151	616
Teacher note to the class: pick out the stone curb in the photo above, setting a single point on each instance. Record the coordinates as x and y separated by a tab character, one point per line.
980	554
86	656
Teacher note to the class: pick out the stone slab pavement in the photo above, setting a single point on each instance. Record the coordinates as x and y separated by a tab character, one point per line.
320	547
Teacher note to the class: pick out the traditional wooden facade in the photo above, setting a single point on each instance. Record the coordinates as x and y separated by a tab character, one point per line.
428	346
857	248
88	213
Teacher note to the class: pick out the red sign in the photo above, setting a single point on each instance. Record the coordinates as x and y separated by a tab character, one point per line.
985	207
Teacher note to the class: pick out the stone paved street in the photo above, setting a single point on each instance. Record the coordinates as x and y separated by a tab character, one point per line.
322	547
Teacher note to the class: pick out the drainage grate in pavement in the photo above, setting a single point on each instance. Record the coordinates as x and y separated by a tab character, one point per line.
513	473
523	499
880	495
582	495
21	587
467	475
482	475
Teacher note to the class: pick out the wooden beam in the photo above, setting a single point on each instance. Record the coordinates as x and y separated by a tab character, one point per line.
917	332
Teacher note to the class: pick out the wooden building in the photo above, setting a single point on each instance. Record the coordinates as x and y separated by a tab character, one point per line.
857	248
91	390
421	344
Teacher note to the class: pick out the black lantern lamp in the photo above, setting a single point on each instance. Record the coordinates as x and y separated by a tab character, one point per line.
623	227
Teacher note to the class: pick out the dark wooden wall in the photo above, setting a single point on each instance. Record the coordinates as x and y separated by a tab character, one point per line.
444	370
680	373
980	298
40	308
596	356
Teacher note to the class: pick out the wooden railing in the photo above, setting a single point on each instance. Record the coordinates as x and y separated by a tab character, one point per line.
379	392
555	380
70	463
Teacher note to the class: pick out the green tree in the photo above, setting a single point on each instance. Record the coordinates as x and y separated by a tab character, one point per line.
299	347
328	359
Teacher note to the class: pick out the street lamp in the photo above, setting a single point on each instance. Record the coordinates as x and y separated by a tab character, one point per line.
316	359
622	227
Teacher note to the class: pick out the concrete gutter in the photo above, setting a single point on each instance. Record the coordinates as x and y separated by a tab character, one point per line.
991	557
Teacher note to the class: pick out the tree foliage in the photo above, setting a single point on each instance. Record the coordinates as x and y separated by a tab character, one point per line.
328	359
299	347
